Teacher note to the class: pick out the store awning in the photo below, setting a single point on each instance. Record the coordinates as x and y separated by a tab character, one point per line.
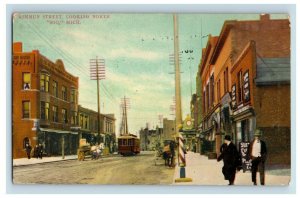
58	131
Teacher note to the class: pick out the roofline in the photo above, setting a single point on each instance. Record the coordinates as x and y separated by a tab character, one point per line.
223	35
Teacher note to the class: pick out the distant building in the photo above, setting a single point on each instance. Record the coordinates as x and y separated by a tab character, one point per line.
151	139
168	129
88	122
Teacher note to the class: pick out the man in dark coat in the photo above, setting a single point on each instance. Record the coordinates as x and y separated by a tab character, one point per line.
28	150
258	155
231	159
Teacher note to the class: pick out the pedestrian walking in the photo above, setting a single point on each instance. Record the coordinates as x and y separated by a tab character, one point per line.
36	151
231	158
258	155
40	151
28	149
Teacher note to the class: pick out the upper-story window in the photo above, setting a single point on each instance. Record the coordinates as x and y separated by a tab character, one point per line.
26	81
73	96
26	109
64	93
226	80
240	87
55	114
74	118
64	116
44	110
44	82
212	95
218	90
54	86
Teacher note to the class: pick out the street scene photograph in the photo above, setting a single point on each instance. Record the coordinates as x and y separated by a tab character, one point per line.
151	98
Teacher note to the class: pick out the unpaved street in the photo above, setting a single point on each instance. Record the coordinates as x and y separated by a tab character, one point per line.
138	169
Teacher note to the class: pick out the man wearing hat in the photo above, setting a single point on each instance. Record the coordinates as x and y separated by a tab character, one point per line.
258	155
231	159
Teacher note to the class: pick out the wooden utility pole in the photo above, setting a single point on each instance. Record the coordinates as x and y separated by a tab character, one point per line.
97	72
178	113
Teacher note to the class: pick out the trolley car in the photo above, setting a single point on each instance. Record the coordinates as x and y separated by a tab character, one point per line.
128	144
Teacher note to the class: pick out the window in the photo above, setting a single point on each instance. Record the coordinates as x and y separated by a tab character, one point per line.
81	120
218	90
74	118
64	93
240	87
64	116
26	109
86	122
54	85
73	96
207	97
212	95
204	105
44	82
44	110
55	114
226	80
26	81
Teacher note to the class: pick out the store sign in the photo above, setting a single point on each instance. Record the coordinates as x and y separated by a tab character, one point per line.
240	110
246	87
246	162
233	96
36	125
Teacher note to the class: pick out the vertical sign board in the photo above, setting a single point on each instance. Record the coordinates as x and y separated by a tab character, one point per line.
246	87
233	97
246	162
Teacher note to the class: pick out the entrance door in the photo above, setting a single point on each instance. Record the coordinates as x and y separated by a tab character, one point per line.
245	131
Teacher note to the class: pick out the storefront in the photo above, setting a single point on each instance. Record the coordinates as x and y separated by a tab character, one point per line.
58	142
244	124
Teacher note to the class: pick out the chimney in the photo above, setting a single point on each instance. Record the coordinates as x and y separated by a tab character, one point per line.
17	47
264	17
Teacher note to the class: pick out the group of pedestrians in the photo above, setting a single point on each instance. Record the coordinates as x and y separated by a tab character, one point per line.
96	151
257	152
37	151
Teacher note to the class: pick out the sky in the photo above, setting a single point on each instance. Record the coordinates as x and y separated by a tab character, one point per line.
136	49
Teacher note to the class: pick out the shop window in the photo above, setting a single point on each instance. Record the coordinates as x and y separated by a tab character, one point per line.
26	109
26	81
44	110
44	82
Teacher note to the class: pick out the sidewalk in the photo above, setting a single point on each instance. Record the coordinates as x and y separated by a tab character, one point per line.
26	161
209	172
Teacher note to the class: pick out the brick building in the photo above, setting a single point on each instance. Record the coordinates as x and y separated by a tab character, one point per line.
251	82
209	116
88	122
45	99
